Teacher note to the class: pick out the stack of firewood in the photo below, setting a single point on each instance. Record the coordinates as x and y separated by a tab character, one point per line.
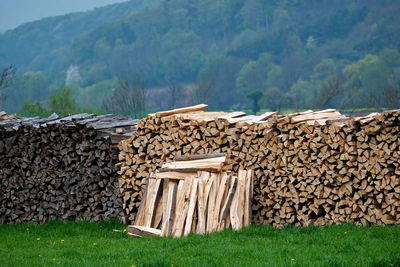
60	167
310	167
193	194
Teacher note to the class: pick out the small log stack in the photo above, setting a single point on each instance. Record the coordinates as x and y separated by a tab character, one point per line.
60	167
192	194
309	167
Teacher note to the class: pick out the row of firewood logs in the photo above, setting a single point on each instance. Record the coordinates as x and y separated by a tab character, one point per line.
60	167
310	167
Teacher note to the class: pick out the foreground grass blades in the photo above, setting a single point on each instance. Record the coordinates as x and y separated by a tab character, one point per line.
88	244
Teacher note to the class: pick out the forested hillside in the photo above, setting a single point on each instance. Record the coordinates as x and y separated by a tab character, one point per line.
232	54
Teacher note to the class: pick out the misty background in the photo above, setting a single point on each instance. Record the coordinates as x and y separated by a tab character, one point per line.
140	56
16	12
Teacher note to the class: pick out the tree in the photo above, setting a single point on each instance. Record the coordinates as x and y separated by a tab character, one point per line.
62	102
6	76
255	98
128	98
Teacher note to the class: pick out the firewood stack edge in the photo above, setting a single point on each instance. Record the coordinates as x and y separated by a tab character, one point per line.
60	167
309	167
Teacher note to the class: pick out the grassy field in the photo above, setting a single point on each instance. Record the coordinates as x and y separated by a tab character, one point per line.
87	244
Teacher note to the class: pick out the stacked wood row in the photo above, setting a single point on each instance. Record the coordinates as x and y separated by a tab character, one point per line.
310	167
60	167
194	196
4	116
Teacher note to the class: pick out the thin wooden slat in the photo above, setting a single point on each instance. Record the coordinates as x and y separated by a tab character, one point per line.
181	110
218	201
199	156
182	206
241	201
143	230
141	212
211	202
227	204
248	199
192	206
153	187
159	206
170	209
204	188
233	211
174	175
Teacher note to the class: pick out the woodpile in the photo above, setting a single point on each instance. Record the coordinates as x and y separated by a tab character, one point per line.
193	194
60	167
309	167
4	116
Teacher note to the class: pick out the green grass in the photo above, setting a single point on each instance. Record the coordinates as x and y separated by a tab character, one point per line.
87	244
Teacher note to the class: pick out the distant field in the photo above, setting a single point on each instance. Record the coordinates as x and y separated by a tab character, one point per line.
88	244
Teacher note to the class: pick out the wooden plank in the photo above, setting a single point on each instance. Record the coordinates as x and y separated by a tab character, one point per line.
248	198
141	212
211	202
227	204
218	201
170	174
199	107
192	206
233	211
182	206
159	206
199	156
170	214
164	200
204	188
200	163
241	202
153	187
191	170
143	230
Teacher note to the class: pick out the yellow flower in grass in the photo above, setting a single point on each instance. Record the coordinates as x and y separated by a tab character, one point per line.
345	233
54	259
292	259
124	230
126	257
27	229
62	240
133	265
94	244
38	239
40	255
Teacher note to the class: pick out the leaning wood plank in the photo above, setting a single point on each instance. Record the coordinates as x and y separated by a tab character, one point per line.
159	206
192	206
248	199
241	187
199	107
182	206
233	211
164	200
153	187
211	202
170	209
218	200
199	156
227	204
170	174
204	188
141	212
143	230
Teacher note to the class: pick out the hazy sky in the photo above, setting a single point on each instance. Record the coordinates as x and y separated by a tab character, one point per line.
16	12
